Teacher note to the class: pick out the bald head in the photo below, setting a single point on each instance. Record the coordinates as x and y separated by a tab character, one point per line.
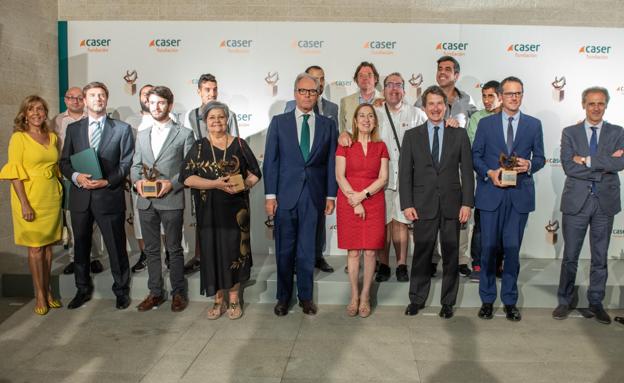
74	100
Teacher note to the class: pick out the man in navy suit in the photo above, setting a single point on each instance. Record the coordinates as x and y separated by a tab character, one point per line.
505	210
591	155
300	184
326	108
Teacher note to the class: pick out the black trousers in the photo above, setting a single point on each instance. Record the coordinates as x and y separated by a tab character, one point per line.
425	233
113	232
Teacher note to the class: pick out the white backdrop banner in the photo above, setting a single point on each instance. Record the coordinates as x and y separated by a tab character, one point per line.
256	63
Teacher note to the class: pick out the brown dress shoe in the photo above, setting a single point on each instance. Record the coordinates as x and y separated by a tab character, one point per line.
178	303
309	308
150	302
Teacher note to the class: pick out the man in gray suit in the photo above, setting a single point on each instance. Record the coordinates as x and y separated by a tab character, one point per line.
591	155
326	108
161	148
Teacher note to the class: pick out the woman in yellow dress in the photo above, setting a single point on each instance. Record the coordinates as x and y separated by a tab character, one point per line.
35	194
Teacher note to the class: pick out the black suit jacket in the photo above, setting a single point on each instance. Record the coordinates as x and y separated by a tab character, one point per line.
115	155
426	188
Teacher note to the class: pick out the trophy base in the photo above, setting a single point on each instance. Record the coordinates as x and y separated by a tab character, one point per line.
509	177
151	189
238	183
558	95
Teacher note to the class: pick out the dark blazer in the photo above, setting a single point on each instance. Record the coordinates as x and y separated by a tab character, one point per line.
428	189
285	172
489	143
115	156
330	110
603	171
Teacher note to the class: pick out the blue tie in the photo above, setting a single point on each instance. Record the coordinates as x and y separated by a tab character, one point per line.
510	136
593	150
96	135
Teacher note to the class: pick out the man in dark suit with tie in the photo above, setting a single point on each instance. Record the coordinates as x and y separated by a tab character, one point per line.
102	200
326	108
436	188
300	184
591	155
505	209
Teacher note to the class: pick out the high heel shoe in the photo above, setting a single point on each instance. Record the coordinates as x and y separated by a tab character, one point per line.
234	310
54	303
365	309
41	310
352	308
217	310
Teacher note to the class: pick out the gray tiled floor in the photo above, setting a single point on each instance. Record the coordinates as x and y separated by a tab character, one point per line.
98	343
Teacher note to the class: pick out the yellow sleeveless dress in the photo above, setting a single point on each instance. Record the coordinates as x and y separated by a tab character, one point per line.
37	167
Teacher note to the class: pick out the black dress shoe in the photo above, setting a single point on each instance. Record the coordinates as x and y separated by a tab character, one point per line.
600	314
512	313
123	301
383	274
401	273
434	269
141	263
96	266
79	300
322	265
309	308
464	270
561	312
191	266
281	309
486	311
69	269
412	309
446	312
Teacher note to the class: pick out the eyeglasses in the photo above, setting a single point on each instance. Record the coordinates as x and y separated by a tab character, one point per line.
512	94
72	98
307	92
394	85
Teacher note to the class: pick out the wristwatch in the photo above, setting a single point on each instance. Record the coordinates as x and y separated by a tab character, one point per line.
368	194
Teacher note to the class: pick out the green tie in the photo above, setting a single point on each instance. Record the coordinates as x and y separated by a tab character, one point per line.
304	143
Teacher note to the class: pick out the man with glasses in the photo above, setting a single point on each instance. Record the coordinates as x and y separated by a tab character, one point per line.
505	209
326	108
591	155
300	184
366	77
74	102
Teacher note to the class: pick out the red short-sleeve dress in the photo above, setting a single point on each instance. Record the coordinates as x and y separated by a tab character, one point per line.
362	170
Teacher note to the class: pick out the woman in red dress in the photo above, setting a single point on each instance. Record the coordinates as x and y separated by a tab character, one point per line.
362	172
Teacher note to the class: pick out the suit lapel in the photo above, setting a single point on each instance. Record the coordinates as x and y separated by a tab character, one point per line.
424	141
291	133
446	142
84	135
499	134
107	134
519	132
603	137
147	143
319	128
581	137
173	132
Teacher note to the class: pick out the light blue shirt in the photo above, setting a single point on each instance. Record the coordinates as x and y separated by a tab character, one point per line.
431	131
588	132
514	124
362	100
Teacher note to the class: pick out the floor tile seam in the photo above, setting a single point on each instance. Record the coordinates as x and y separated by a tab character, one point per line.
292	347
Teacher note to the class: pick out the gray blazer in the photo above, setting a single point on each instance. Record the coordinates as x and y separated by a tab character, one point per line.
604	168
168	163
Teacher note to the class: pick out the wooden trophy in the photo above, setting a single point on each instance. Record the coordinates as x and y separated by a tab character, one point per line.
508	176
551	231
151	187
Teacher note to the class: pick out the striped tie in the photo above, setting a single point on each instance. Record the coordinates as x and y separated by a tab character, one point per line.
97	135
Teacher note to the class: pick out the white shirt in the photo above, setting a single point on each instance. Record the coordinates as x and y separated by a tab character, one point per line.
159	134
60	126
406	118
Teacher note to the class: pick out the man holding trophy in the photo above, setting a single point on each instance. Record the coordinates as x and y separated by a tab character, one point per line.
159	153
508	149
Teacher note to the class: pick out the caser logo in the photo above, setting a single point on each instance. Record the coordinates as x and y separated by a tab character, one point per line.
243	119
554	161
308	46
237	45
96	45
595	51
524	49
452	48
165	45
617	232
379	47
620	90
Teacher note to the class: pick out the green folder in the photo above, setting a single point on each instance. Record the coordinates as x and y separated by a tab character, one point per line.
87	162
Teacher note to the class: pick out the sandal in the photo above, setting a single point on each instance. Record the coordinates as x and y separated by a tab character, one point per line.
216	311
41	310
235	310
365	309
352	308
54	303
